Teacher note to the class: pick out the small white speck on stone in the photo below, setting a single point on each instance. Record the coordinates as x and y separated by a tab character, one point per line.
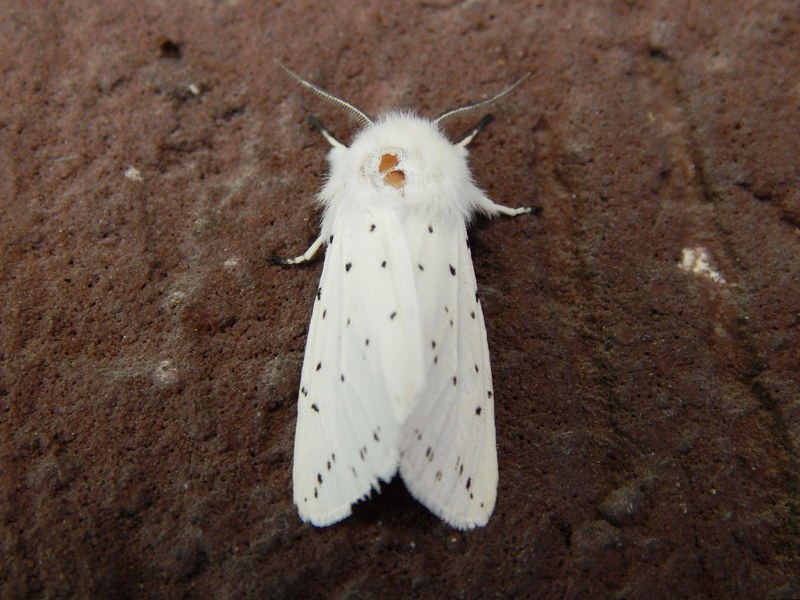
697	260
231	263
194	89
133	174
165	373
175	298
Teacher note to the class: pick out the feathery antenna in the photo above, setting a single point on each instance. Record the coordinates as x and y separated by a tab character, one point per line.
468	108
356	112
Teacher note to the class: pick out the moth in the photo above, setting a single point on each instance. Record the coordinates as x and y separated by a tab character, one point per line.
396	374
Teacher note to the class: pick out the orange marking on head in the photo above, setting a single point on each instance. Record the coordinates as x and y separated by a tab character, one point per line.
395	178
388	161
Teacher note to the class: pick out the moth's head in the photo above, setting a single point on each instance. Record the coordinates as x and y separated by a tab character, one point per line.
401	153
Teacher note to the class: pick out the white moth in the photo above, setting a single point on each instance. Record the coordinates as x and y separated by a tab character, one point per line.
396	372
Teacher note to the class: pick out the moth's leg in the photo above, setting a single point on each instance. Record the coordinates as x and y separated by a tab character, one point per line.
476	130
304	257
314	248
316	124
492	208
486	205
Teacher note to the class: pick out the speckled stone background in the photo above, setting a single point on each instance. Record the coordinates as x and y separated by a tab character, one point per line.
644	328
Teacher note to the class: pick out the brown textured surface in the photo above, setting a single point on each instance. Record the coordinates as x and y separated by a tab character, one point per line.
648	417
